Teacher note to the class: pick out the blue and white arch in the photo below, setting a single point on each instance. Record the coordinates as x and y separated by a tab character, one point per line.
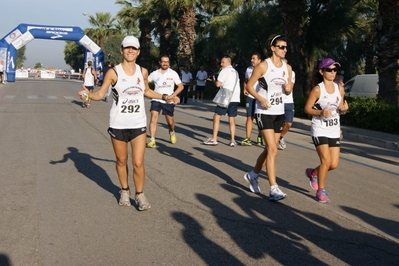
24	33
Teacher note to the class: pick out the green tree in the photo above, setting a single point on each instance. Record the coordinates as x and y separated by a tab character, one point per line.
74	55
388	51
103	27
130	14
21	57
293	13
186	29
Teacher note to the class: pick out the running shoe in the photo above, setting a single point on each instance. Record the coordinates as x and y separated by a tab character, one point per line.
125	198
87	105
211	142
253	183
84	105
173	138
232	143
321	196
151	144
276	194
246	142
142	202
311	174
259	141
281	144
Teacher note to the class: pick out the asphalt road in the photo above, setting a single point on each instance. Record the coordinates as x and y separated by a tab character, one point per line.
59	193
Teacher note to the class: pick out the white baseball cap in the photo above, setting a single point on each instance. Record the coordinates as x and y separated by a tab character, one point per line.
131	41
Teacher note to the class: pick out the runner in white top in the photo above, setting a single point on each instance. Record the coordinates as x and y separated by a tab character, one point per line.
250	103
89	80
325	103
165	80
128	110
127	117
274	77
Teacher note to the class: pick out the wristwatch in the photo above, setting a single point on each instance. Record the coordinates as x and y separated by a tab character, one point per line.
164	97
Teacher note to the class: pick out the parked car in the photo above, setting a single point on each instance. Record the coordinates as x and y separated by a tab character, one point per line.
362	86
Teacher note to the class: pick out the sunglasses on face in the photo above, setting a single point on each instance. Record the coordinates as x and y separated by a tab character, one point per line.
282	47
327	69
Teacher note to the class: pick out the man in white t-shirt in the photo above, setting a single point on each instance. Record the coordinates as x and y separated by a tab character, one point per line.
228	78
201	82
187	79
289	112
165	80
250	103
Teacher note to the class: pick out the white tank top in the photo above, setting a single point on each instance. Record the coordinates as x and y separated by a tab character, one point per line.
274	78
327	127
128	110
89	78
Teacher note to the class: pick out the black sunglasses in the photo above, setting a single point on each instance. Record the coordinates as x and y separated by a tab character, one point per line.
281	47
327	69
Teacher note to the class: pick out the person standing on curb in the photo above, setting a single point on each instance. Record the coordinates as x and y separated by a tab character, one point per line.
165	79
2	72
89	76
250	103
289	112
325	104
228	78
201	77
274	77
187	79
127	119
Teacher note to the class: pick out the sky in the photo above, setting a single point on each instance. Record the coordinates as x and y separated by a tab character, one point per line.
50	13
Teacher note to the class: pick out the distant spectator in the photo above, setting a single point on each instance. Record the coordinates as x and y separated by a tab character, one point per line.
201	77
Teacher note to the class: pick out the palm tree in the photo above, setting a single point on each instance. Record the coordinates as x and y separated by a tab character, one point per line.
329	27
129	14
187	34
294	17
388	51
103	27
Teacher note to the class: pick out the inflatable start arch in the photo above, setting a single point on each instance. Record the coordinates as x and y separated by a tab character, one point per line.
25	33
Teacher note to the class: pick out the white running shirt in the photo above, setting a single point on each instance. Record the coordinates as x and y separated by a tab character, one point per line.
248	74
128	110
289	98
89	78
275	78
327	127
164	82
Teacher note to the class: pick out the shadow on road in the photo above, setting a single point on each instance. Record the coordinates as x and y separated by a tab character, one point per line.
276	230
85	165
390	227
4	260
